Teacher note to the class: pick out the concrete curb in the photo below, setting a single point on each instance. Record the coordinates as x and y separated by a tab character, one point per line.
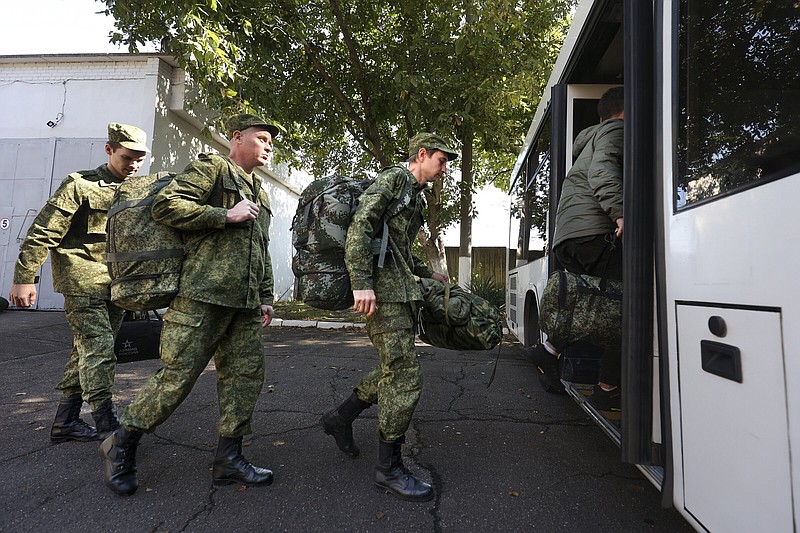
320	324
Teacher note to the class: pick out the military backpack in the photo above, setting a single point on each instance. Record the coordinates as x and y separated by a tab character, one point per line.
319	230
144	256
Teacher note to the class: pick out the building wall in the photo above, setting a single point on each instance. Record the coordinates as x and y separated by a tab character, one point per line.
54	111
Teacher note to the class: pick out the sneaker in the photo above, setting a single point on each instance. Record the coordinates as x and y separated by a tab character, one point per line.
549	368
605	400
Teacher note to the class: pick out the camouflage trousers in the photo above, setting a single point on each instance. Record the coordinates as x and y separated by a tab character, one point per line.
192	334
396	383
90	369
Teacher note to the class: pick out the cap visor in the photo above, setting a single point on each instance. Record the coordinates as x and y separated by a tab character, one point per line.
136	147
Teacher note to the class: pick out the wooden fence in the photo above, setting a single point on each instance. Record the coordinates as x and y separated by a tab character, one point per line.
487	261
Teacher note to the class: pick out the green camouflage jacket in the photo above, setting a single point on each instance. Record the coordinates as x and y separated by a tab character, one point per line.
225	264
591	199
72	228
395	281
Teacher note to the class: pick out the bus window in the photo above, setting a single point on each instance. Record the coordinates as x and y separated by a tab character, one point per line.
738	111
530	203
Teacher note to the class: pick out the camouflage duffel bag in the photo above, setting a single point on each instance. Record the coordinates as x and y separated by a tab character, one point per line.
582	308
450	317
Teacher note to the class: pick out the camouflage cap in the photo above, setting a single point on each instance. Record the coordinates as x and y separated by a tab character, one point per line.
245	120
431	141
129	137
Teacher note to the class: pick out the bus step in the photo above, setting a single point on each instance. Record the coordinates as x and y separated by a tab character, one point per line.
609	422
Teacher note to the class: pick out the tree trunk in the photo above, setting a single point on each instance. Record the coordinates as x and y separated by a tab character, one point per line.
434	251
432	242
465	242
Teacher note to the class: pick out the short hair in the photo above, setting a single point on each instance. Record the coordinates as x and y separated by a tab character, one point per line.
611	103
431	151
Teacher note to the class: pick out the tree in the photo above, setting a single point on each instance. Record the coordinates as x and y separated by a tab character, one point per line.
351	81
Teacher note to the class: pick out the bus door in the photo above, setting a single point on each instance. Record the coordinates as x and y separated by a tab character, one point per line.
574	109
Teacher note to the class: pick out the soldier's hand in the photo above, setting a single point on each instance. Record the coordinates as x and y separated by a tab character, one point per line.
267	313
440	277
22	294
365	302
241	212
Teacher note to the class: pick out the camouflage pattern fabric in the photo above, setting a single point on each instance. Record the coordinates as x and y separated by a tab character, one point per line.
72	228
192	334
232	267
90	369
452	318
319	230
144	257
394	282
396	383
444	303
582	308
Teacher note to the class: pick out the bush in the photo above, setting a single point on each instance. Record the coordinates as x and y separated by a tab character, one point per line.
488	289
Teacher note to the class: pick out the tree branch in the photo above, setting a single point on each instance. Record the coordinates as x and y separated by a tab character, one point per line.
370	131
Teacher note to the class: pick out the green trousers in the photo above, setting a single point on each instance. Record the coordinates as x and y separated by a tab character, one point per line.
396	383
194	333
91	366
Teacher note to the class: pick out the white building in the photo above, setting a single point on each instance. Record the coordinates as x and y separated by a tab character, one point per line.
54	110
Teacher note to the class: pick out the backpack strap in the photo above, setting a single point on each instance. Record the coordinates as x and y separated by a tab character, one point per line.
165	176
394	209
238	181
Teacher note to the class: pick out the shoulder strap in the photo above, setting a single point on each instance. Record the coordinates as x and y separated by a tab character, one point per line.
163	177
237	180
394	209
608	250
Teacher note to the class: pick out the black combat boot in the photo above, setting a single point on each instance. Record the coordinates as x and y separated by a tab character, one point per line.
392	476
68	424
119	461
230	466
105	419
339	423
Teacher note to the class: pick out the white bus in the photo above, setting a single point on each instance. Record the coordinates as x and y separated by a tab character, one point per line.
711	329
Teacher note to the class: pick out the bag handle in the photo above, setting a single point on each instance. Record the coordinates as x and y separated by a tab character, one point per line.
610	246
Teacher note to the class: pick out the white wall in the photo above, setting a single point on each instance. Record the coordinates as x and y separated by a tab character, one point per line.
80	95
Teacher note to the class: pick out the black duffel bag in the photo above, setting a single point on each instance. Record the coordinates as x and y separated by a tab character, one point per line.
139	337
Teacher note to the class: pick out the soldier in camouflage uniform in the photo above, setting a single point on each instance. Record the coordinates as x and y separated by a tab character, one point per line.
72	228
224	300
387	296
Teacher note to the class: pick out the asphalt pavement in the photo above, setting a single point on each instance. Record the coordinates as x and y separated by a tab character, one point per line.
509	457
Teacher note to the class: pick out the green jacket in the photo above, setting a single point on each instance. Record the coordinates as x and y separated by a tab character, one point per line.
72	228
395	281
225	264
591	199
